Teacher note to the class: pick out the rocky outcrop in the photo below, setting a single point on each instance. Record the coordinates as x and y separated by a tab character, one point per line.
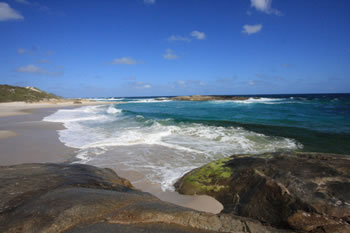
307	192
208	98
76	198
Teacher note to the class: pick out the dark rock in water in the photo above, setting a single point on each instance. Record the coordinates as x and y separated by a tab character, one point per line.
300	191
76	198
208	98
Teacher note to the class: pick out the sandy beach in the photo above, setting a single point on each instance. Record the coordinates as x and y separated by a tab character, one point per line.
25	138
23	108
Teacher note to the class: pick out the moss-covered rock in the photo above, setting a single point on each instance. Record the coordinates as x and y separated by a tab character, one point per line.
274	187
209	178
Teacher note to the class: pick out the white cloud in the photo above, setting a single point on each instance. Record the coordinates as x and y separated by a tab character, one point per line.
190	85
139	85
179	38
251	29
23	2
264	6
36	5
149	2
181	83
198	35
37	70
31	51
7	13
21	51
30	69
170	55
195	34
251	83
124	61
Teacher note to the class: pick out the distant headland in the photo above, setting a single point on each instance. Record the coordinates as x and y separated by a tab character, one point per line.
10	93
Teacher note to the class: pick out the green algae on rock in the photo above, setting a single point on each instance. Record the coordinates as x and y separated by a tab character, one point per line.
279	189
207	179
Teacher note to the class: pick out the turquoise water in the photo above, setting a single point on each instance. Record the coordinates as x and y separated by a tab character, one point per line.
163	139
320	122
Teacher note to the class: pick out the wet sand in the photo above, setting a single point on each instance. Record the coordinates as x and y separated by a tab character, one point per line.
197	202
7	134
25	138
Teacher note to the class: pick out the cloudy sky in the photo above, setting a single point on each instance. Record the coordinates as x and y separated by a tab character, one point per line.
176	47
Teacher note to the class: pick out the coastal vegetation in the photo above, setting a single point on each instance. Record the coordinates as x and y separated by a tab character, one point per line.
10	93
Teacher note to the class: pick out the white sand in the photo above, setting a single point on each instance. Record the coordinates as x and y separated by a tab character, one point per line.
22	108
7	134
25	138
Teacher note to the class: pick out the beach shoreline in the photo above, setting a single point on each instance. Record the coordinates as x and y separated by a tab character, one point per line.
24	108
25	138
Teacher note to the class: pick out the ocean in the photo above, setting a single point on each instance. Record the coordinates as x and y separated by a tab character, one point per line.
163	139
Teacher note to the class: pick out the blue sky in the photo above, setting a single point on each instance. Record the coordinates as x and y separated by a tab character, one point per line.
176	47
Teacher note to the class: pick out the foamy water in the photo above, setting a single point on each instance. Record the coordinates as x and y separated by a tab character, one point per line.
163	149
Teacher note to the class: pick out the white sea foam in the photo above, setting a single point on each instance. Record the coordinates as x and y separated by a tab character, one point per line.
128	100
260	100
157	100
98	129
108	99
113	110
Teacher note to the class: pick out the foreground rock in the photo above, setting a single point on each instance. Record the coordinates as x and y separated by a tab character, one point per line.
81	198
208	98
300	191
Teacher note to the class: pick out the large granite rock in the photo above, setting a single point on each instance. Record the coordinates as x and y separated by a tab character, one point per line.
299	191
208	98
52	198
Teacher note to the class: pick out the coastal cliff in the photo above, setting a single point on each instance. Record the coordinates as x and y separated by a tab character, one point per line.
54	198
306	192
208	98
